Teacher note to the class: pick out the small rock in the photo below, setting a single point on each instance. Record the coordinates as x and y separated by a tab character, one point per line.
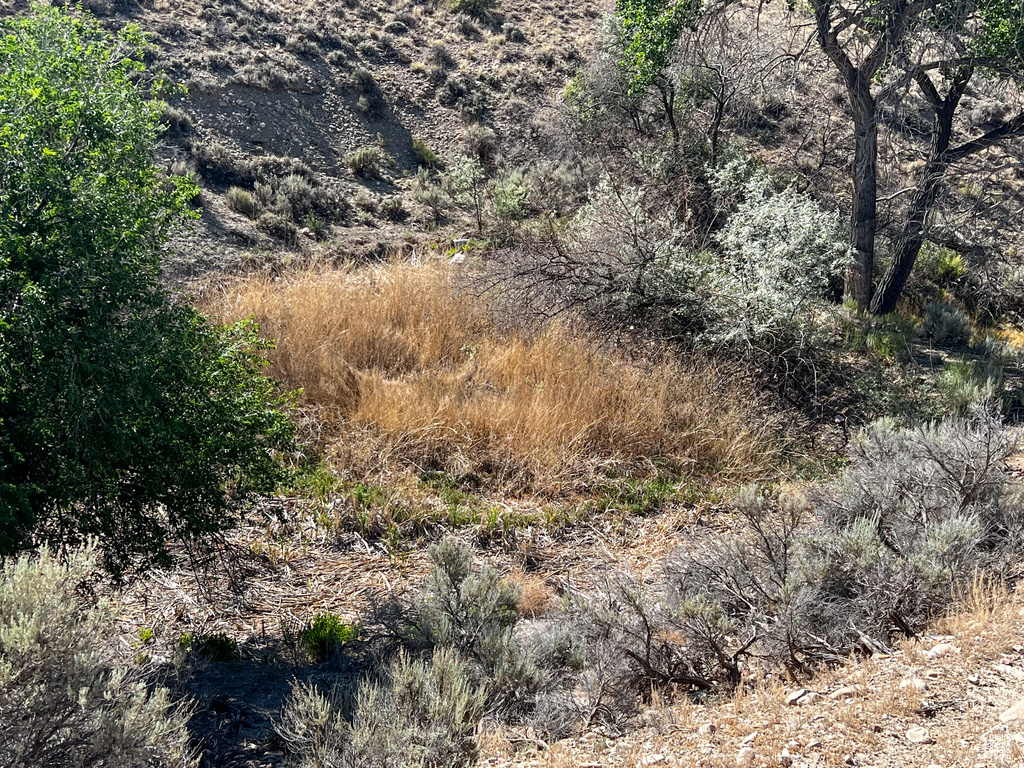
745	757
800	696
653	760
812	744
913	683
1014	713
748	739
942	649
707	729
845	692
974	680
785	758
919	735
1015	672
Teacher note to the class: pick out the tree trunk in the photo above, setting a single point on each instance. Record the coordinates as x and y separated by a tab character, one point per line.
908	244
863	219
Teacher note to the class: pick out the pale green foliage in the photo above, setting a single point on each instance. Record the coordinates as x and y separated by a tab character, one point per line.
945	324
511	197
466	182
781	252
73	708
423	715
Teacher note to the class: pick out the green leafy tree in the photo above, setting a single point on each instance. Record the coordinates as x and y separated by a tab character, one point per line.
125	416
650	29
888	53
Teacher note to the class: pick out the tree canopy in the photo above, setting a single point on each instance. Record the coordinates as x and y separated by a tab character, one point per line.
891	56
125	415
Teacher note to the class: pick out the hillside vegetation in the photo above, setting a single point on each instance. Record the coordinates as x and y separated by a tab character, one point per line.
442	383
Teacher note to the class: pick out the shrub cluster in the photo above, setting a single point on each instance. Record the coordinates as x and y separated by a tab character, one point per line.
65	703
911	523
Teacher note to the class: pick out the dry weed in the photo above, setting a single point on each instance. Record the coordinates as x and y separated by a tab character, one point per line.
404	368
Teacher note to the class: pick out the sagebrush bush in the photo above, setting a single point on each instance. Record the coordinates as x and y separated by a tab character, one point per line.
65	704
472	612
424	714
242	201
472	7
945	324
481	143
365	161
917	515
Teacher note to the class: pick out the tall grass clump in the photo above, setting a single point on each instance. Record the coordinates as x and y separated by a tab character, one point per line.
64	702
400	362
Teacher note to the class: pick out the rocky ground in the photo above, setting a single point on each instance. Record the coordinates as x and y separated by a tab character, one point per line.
952	698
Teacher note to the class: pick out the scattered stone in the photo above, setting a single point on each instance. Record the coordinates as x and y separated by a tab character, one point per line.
974	680
745	757
795	696
913	683
653	760
813	744
1014	713
845	692
785	758
748	739
1015	672
919	735
707	729
942	649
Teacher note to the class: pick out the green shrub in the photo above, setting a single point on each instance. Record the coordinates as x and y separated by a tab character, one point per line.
966	385
363	79
890	337
217	647
511	198
365	162
73	706
423	154
242	201
123	414
393	209
423	714
945	325
325	635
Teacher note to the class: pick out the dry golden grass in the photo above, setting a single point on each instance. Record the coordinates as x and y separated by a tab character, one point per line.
403	368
